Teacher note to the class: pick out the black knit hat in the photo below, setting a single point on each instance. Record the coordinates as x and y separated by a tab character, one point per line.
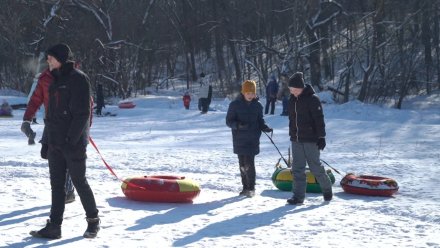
60	52
296	80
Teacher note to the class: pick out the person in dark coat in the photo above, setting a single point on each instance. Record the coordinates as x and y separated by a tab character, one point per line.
67	123
271	95
284	94
99	100
245	118
307	134
205	97
40	96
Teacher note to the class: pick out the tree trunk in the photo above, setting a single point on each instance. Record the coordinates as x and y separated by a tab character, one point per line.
426	40
377	18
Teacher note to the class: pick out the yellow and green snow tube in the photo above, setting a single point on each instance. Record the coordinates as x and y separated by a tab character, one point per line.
282	179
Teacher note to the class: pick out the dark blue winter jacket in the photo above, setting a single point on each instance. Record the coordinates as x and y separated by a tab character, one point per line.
246	122
272	89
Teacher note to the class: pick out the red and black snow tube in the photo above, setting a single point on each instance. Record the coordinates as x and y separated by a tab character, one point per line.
126	105
369	185
160	189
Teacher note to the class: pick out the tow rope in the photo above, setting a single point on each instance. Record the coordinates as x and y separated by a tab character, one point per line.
271	140
110	168
285	161
331	167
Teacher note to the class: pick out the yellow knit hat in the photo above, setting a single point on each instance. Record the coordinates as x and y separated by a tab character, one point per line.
249	86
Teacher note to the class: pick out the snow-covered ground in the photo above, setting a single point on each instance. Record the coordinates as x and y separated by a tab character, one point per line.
160	137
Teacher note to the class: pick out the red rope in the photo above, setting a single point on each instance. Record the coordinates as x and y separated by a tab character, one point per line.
110	168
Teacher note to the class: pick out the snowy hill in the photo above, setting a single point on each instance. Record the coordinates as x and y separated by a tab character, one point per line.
160	137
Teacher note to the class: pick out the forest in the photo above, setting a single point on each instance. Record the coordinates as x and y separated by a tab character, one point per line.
369	50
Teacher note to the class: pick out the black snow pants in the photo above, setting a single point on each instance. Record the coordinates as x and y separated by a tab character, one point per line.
247	171
62	158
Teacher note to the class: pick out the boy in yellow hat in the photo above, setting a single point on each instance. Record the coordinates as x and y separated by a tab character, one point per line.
245	118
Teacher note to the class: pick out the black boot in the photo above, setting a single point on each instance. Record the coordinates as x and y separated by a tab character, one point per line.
243	192
92	227
295	201
50	231
328	196
250	193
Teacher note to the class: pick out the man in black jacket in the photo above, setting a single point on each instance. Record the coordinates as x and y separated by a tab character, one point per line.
307	134
67	123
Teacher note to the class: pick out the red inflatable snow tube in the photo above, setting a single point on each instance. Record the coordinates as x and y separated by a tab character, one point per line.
160	189
126	105
369	185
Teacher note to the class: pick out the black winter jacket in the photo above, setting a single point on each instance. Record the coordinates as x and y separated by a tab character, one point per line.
68	116
246	122
306	118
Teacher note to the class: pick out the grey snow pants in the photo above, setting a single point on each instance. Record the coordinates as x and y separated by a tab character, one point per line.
307	153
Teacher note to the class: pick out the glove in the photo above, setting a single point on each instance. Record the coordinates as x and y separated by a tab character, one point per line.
44	149
26	128
242	126
321	143
267	130
31	138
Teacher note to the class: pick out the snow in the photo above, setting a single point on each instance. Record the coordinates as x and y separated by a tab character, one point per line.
160	137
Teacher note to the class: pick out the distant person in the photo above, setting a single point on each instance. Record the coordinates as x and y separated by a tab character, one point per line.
40	96
283	94
99	100
186	100
5	109
205	96
271	95
67	124
307	134
245	118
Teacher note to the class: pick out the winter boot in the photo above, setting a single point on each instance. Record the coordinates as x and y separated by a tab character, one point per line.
250	193
70	197
50	231
295	201
328	196
92	228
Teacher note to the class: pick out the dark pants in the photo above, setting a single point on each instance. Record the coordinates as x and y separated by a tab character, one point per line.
99	110
285	105
247	171
270	101
204	104
69	185
73	159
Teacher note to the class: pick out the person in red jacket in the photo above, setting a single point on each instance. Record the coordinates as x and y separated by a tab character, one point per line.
186	100
39	97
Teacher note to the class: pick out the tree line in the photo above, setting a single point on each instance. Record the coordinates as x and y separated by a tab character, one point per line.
370	50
